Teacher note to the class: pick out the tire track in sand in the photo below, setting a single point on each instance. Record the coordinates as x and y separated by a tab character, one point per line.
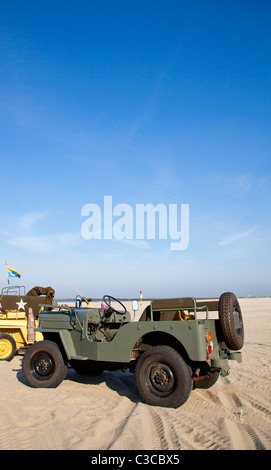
15	438
228	405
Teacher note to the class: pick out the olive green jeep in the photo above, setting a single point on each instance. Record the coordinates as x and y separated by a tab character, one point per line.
176	344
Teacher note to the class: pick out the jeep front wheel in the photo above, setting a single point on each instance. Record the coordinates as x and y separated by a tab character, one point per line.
163	378
7	347
43	365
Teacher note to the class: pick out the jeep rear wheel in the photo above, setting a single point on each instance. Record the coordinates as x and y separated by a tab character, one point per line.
231	321
163	378
43	365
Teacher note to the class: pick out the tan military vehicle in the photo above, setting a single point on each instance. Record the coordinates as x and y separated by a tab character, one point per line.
19	313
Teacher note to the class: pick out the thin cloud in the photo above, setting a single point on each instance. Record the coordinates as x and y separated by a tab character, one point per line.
45	244
136	243
235	237
29	220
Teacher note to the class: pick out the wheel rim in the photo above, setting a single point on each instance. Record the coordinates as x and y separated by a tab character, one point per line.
5	348
160	378
42	366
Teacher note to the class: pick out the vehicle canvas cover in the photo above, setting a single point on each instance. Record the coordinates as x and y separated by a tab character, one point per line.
31	300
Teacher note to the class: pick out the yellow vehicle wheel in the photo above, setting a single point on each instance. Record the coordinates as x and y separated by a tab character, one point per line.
7	347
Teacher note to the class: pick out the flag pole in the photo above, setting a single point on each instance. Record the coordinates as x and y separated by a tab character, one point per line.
51	272
7	271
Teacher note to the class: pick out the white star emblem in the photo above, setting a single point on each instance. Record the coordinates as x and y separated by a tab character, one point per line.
21	304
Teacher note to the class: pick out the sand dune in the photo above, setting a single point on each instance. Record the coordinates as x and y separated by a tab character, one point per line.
106	412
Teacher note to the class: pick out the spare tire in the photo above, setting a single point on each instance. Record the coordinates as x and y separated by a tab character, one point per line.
231	321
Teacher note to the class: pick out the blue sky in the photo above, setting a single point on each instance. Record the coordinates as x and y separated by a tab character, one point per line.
148	102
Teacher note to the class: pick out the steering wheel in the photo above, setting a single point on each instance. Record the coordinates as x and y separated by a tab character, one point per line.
107	300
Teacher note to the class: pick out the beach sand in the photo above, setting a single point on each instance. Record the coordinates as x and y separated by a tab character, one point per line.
106	412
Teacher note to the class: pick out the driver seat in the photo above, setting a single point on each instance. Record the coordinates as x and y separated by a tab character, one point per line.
146	314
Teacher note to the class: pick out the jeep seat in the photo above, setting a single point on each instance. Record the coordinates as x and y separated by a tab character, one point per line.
146	314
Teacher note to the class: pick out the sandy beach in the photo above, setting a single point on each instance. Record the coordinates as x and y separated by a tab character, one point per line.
106	413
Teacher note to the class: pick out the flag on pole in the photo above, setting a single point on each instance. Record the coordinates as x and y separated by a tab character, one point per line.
13	273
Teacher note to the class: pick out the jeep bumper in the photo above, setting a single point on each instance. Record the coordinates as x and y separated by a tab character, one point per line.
222	362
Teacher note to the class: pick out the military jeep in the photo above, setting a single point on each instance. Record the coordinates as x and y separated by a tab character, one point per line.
173	347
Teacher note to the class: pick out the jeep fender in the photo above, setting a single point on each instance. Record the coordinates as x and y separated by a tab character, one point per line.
64	340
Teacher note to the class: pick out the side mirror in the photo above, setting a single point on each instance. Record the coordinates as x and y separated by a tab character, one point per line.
135	305
78	301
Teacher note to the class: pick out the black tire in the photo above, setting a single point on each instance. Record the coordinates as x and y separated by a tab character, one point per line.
43	365
7	347
231	321
163	378
86	367
206	382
